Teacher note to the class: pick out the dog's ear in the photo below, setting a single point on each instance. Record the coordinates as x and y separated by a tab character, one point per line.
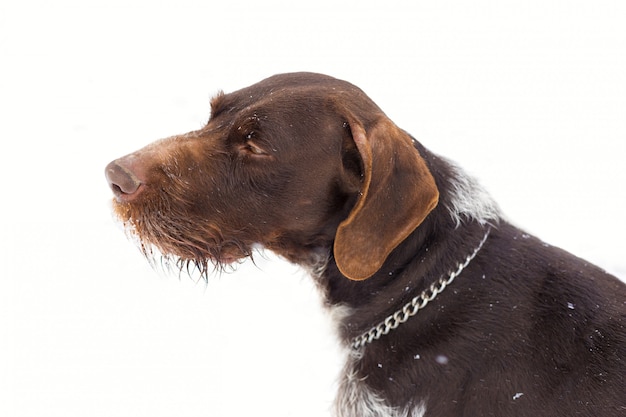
397	193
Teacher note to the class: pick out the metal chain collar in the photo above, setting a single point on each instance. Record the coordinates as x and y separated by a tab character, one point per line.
416	304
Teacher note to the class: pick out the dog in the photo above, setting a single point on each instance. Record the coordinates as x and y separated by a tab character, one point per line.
444	308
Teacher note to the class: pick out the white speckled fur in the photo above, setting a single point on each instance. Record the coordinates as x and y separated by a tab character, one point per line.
469	200
356	399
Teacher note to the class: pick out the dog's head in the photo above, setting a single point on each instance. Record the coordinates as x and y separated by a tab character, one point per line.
294	163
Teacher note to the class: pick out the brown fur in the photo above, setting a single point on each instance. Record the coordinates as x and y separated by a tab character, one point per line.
309	167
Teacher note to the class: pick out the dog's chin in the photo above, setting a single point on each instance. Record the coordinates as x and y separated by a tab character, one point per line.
203	267
227	260
187	256
211	262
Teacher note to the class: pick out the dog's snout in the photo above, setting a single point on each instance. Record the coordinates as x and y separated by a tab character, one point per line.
124	182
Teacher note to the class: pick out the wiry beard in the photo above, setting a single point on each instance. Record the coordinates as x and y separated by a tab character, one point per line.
174	239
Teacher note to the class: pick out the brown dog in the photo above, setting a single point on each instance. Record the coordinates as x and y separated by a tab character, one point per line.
309	167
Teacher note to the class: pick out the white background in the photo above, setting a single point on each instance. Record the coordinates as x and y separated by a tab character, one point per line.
529	96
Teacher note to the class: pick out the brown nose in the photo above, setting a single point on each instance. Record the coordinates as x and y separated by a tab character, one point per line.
122	180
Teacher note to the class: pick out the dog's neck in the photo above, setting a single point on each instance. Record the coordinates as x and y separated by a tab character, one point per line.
408	273
417	303
451	232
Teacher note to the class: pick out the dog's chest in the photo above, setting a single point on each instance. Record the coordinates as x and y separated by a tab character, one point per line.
358	399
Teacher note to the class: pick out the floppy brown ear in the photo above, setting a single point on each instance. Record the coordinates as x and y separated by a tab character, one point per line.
398	191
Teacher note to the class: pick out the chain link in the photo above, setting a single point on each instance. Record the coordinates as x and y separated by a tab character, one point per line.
411	308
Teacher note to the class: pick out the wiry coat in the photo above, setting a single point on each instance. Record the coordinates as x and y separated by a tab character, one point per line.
309	167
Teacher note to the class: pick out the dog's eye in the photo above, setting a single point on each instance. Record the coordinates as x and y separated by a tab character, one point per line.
251	148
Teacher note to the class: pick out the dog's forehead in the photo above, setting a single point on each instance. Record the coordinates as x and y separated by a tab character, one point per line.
285	89
301	81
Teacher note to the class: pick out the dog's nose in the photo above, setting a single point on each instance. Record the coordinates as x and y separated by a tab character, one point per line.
122	180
